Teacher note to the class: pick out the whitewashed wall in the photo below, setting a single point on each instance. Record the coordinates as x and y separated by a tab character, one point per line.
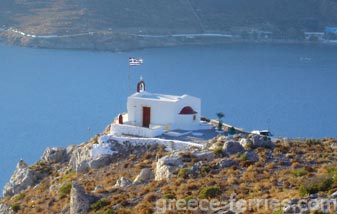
123	129
165	112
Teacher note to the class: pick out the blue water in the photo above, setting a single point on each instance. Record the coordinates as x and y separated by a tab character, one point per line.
52	97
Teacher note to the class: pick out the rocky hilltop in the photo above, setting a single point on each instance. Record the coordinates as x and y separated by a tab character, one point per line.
121	25
109	174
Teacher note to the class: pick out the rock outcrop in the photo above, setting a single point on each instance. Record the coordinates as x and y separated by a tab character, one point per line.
166	165
122	183
232	147
196	169
55	155
246	143
225	163
261	141
251	155
5	209
79	200
80	159
100	162
204	155
144	176
22	178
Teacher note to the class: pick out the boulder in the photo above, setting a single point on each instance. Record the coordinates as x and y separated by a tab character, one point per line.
196	169
166	165
246	143
100	162
70	149
145	175
22	178
225	163
252	156
80	158
6	209
232	147
98	188
79	200
334	145
214	146
56	155
291	209
122	182
261	141
204	155
334	195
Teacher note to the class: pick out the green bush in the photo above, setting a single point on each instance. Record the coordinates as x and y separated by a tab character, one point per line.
315	185
20	196
299	172
169	196
15	207
99	204
188	198
218	151
205	119
109	211
209	192
205	169
243	157
65	190
68	176
332	171
183	172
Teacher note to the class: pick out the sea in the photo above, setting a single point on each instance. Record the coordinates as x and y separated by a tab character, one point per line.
55	98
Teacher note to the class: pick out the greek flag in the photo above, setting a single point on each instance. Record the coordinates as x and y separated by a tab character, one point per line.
135	61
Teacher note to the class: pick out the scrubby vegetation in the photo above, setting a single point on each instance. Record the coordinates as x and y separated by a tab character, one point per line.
65	190
290	170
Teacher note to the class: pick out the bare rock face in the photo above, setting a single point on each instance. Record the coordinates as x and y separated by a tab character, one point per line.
55	155
334	195
145	175
232	147
5	209
196	169
79	200
225	163
252	156
261	141
205	155
100	162
122	182
80	159
22	178
246	143
166	165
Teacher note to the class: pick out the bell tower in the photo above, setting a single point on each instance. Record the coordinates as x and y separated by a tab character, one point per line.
141	85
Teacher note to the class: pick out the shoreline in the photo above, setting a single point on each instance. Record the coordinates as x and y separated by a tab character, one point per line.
125	43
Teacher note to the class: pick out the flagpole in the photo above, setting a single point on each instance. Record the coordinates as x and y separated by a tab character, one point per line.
129	80
133	62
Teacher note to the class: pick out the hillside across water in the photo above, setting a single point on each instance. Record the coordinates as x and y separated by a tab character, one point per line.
112	24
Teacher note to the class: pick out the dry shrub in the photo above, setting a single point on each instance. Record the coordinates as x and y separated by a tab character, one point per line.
151	197
231	180
249	176
270	166
144	208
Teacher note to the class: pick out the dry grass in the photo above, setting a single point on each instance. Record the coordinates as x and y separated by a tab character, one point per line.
266	178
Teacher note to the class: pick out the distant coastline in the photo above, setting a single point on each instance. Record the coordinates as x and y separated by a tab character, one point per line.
122	41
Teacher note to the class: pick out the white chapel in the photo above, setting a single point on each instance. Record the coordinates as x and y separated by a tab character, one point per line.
151	114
